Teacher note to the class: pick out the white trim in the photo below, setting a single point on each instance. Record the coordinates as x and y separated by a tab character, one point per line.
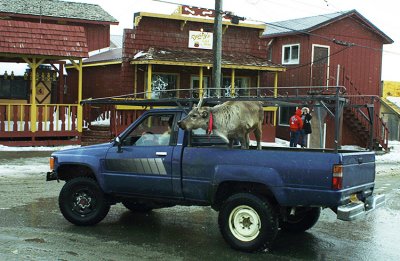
284	124
328	64
290	59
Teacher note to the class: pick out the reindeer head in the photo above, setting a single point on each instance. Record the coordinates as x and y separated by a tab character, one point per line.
198	117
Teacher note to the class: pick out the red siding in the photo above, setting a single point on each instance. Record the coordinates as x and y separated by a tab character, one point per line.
359	64
163	33
166	33
98	36
99	81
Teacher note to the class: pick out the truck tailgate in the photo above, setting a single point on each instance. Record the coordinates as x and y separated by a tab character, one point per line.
358	168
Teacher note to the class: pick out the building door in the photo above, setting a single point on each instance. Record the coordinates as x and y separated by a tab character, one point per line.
194	86
320	65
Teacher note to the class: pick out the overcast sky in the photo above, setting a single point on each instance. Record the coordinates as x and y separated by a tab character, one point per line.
382	13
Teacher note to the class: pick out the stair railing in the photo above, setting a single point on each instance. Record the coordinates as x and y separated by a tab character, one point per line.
379	128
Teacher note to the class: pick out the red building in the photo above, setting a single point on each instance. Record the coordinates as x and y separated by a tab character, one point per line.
166	52
42	34
340	48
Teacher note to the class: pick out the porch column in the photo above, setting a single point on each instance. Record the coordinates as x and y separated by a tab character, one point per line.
258	83
149	76
276	85
34	65
80	111
233	82
33	97
200	82
79	66
61	83
135	82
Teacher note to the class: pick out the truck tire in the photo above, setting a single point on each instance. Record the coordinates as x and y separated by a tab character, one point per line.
136	206
304	219
82	202
248	222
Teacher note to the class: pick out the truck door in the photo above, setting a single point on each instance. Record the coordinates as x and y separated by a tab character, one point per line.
142	165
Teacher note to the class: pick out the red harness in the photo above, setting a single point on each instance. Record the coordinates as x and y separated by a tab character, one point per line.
210	124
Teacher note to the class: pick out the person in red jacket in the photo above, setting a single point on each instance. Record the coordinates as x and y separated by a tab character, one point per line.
295	124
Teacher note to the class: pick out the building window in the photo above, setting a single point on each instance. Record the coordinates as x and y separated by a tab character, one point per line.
194	86
14	89
164	85
290	54
241	86
284	114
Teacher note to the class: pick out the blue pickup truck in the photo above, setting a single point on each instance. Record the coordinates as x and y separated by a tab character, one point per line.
154	164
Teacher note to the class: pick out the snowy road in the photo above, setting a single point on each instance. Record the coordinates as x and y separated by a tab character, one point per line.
32	228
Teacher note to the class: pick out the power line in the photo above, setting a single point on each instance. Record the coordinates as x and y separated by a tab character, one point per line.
334	40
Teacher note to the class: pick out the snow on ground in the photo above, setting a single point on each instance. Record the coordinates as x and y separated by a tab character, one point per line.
17	167
6	148
389	163
395	100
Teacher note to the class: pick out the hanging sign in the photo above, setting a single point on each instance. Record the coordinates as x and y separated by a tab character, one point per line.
200	40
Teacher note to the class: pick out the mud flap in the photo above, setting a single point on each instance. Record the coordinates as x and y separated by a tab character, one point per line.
52	176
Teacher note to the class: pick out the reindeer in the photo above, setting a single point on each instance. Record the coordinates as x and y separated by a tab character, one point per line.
230	120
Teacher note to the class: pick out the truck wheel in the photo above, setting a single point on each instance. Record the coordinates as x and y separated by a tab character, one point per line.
82	202
248	222
136	206
304	219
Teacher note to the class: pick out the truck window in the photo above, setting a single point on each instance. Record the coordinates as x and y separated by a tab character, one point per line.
199	137
154	130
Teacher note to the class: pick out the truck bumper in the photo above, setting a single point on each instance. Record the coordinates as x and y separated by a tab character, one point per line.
51	176
355	210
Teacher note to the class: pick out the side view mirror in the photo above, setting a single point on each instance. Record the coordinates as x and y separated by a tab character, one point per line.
117	142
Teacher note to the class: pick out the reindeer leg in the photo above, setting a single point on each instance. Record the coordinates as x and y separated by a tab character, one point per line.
247	137
258	134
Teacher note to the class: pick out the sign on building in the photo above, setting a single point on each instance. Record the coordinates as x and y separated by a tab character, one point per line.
200	40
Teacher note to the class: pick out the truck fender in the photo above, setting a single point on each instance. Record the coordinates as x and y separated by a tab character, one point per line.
252	174
89	162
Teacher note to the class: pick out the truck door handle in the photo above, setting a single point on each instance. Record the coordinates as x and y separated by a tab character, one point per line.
161	153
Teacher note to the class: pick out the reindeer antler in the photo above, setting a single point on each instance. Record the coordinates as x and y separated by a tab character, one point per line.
200	102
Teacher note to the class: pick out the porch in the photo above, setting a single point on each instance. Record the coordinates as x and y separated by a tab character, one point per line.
37	116
51	124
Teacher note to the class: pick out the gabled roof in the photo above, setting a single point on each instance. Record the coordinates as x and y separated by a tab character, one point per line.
112	55
184	58
392	103
309	24
34	39
195	57
56	9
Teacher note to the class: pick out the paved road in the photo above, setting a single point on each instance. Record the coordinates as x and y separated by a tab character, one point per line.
32	228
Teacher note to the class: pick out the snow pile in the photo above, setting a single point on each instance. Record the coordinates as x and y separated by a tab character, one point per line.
39	148
395	100
389	163
24	167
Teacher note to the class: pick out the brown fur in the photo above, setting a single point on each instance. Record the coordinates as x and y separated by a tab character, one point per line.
231	120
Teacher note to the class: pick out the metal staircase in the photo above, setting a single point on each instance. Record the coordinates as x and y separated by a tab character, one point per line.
362	115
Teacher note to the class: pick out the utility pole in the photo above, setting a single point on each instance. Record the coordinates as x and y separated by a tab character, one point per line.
217	47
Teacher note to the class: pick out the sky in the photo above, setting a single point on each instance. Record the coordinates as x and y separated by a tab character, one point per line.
381	13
